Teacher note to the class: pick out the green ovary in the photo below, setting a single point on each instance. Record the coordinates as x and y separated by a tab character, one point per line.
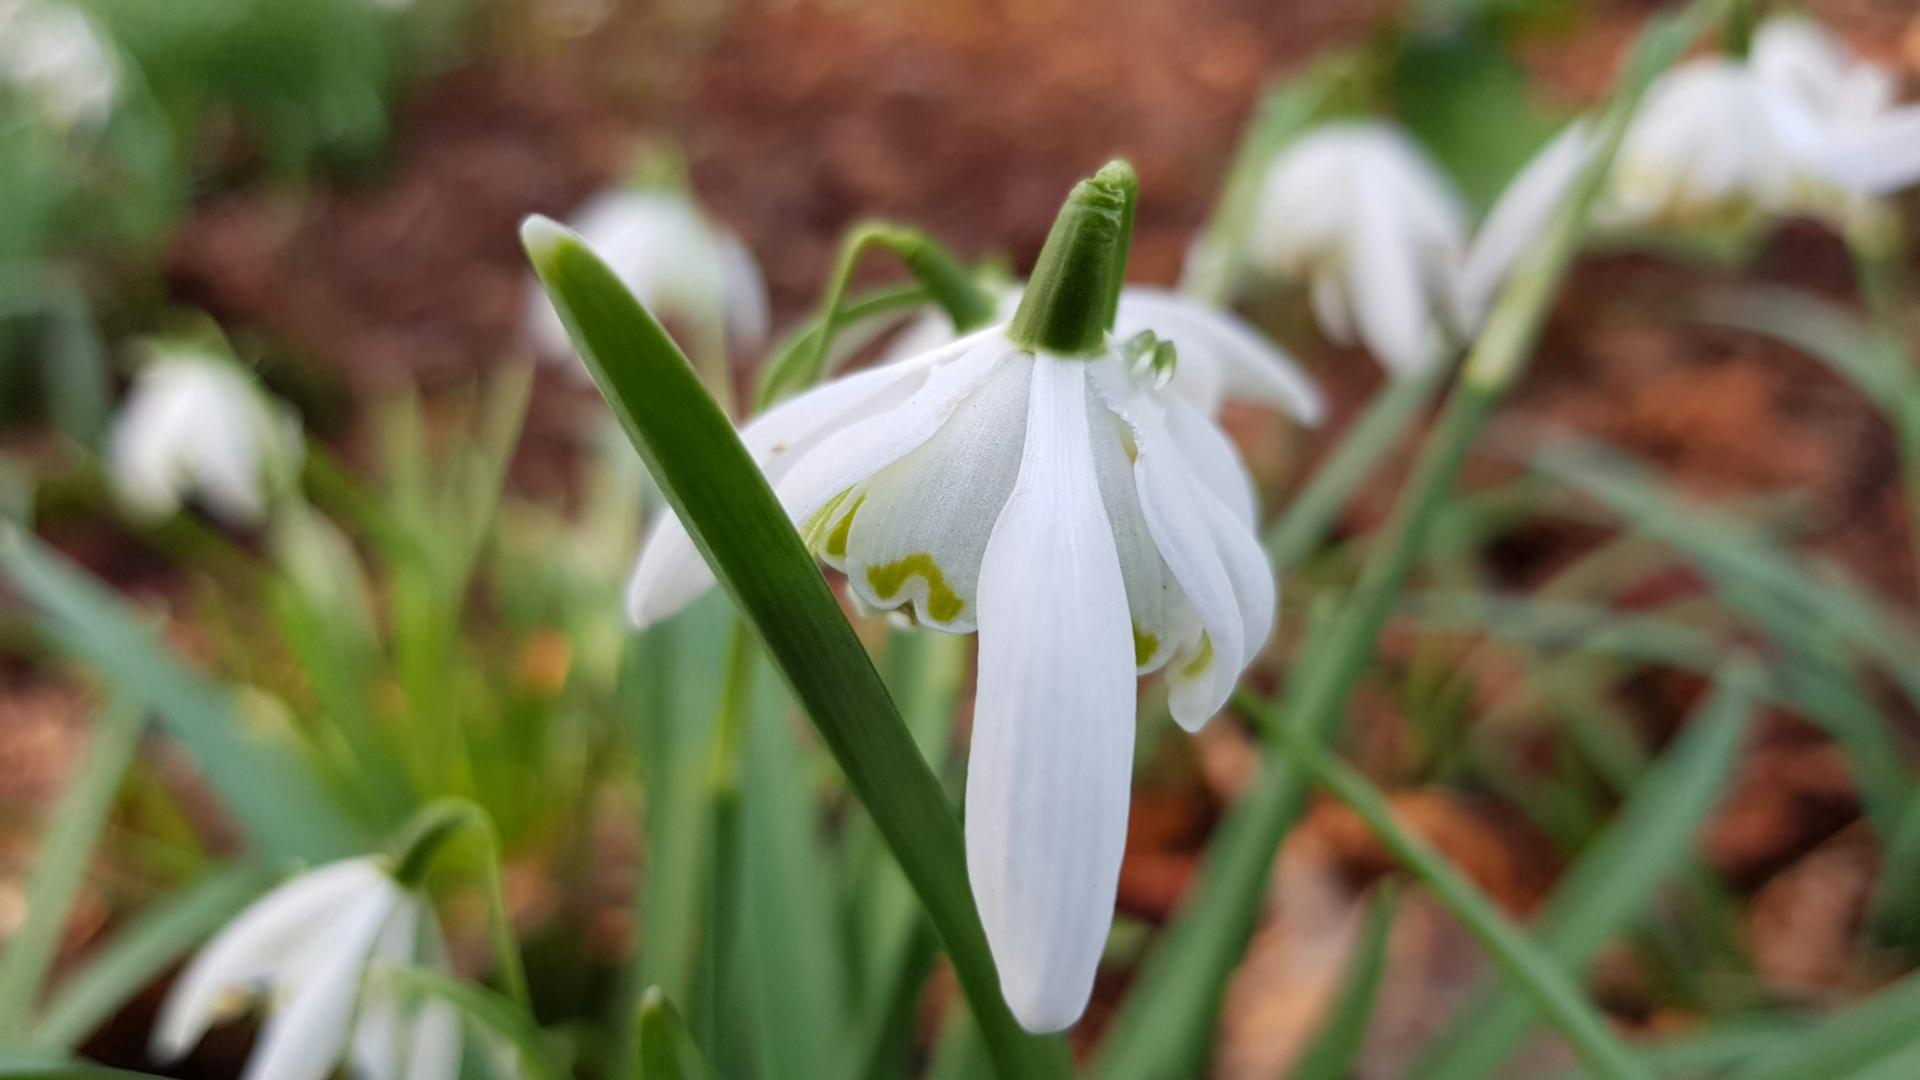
942	605
1202	660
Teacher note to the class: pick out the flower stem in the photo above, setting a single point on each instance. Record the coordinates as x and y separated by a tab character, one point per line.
422	840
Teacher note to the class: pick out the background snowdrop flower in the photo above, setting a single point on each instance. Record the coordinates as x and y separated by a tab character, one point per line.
1032	483
1801	57
691	272
195	423
1221	356
56	56
305	947
1359	215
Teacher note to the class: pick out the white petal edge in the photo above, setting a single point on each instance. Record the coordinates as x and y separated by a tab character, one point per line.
305	1039
1052	753
252	947
1250	366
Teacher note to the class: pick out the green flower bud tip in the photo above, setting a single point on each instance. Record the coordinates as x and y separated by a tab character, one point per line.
1070	299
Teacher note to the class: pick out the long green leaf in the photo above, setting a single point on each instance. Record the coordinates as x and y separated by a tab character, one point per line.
75	828
1852	1040
1330	1055
740	528
141	950
1528	965
274	798
1652	836
666	1050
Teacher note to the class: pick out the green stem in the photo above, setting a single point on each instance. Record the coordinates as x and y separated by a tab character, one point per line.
723	871
422	840
967	304
1556	995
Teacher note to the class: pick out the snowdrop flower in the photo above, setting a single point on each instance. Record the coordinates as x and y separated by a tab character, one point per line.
693	273
306	947
1359	215
1031	482
1220	355
195	423
1800	128
56	57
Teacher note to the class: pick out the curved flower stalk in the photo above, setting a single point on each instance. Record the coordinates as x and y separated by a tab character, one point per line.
1032	482
195	423
1359	216
695	273
307	947
1221	357
57	57
1800	127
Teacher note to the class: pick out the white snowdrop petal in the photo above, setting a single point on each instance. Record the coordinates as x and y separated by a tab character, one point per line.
1160	615
1047	782
1878	158
1384	286
915	533
1520	216
435	1053
305	1039
854	453
1211	455
252	948
745	291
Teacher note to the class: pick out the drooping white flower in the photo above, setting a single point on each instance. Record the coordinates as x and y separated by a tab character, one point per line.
196	424
689	270
1357	214
1221	356
1032	483
57	57
306	948
1801	127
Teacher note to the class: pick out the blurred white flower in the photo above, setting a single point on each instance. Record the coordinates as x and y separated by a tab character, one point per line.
57	57
306	948
196	424
1802	127
1357	214
1220	356
690	271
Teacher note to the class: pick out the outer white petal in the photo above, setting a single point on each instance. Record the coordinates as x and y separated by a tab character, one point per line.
1162	619
745	292
1520	217
253	948
917	531
144	451
854	453
1383	283
670	573
1248	365
1053	720
305	1039
436	1051
384	1026
1879	158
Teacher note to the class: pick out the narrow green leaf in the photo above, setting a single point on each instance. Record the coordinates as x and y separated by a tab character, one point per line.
1850	1040
795	985
741	529
1821	329
1651	837
37	1069
1543	981
489	1010
141	950
61	864
667	1050
273	797
1330	1055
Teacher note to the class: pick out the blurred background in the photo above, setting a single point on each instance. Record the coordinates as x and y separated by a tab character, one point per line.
331	190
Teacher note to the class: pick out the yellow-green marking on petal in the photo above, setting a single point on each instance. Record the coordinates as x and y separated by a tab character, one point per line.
943	604
837	539
1144	646
1202	660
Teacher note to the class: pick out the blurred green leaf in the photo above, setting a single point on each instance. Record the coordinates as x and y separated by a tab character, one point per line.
741	530
1473	106
1331	1053
667	1050
1868	1033
274	797
488	1009
60	865
1650	838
